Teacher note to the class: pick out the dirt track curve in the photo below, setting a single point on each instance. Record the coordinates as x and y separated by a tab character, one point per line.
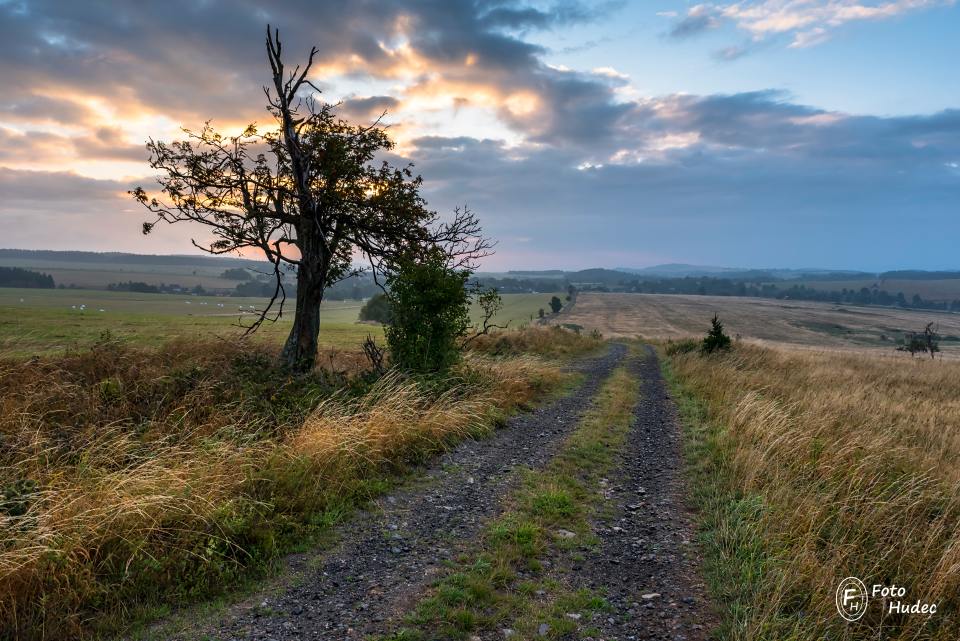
389	555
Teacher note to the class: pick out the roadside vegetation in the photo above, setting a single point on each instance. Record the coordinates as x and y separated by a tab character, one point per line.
552	342
515	583
133	477
811	467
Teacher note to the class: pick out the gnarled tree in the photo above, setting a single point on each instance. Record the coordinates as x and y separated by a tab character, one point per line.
307	193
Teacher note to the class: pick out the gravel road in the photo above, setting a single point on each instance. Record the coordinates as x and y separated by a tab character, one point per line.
646	564
389	554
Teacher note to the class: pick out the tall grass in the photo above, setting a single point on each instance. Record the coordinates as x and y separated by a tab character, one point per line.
813	467
130	477
554	341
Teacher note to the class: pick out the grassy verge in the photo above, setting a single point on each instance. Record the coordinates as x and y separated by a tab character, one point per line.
808	468
552	342
517	579
135	477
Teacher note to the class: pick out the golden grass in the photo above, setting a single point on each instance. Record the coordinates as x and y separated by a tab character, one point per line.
554	341
838	465
129	477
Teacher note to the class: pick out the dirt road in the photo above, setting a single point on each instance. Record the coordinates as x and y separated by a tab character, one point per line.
389	556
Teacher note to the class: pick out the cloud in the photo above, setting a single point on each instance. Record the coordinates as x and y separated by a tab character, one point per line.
368	108
805	23
753	176
37	148
20	189
184	62
62	210
698	19
24	106
678	174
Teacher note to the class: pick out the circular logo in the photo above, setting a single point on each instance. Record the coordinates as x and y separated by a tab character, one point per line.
851	598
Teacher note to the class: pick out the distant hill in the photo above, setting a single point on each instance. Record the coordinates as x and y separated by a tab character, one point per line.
681	270
677	270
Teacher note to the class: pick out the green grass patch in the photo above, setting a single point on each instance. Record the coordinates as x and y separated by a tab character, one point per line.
51	321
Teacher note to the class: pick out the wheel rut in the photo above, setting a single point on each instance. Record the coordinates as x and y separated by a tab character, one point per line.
390	553
647	564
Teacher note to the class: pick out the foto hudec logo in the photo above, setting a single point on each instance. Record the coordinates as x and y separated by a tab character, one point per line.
851	598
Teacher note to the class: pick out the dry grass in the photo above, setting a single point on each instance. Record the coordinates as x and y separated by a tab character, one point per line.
827	466
130	477
554	342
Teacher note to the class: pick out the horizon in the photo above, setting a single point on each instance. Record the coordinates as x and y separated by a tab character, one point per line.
621	268
582	134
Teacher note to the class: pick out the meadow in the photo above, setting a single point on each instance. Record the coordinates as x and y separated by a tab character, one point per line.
92	275
157	463
810	467
38	321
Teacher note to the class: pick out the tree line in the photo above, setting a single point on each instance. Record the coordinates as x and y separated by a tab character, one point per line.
716	286
26	278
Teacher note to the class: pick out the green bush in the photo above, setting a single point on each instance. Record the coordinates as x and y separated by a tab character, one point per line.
431	311
377	309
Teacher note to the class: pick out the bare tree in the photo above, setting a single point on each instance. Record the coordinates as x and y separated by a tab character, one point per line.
926	341
308	195
490	303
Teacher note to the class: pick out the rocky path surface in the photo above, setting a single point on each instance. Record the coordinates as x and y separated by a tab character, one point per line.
646	564
390	554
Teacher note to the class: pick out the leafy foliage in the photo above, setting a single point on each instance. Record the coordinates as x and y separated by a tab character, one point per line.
431	311
377	309
556	305
919	342
236	273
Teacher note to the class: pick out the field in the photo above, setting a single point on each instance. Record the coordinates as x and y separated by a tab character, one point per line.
34	321
762	321
947	289
158	465
129	474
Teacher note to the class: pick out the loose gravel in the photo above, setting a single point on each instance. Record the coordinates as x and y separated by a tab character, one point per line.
646	564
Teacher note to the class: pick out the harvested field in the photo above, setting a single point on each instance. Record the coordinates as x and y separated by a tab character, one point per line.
764	321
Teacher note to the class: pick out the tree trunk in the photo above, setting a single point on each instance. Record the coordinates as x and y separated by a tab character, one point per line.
300	351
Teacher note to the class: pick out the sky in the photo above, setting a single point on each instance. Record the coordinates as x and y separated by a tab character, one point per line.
759	133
